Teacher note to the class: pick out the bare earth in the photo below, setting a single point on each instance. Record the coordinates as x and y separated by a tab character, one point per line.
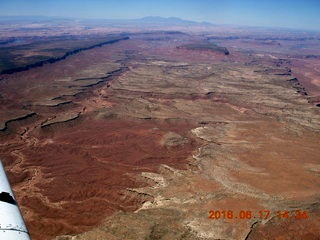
141	139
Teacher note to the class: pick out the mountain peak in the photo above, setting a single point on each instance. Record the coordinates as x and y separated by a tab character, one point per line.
167	20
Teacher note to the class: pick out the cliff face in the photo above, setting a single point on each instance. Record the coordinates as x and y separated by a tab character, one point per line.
297	85
64	56
205	47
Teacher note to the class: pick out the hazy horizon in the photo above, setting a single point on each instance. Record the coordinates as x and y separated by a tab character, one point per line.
288	14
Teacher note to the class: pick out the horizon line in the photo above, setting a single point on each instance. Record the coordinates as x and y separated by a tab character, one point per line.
160	17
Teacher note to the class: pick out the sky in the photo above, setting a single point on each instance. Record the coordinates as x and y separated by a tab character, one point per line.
299	14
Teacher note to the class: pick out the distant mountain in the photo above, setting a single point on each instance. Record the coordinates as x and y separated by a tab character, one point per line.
145	22
170	20
152	19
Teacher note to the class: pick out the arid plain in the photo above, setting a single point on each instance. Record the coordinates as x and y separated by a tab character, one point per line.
110	133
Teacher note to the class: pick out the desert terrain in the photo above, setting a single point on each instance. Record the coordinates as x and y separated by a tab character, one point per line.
162	132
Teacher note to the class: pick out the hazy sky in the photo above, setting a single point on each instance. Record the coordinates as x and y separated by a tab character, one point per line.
303	14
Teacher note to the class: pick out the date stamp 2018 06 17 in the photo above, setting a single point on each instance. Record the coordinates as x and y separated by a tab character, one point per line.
262	214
